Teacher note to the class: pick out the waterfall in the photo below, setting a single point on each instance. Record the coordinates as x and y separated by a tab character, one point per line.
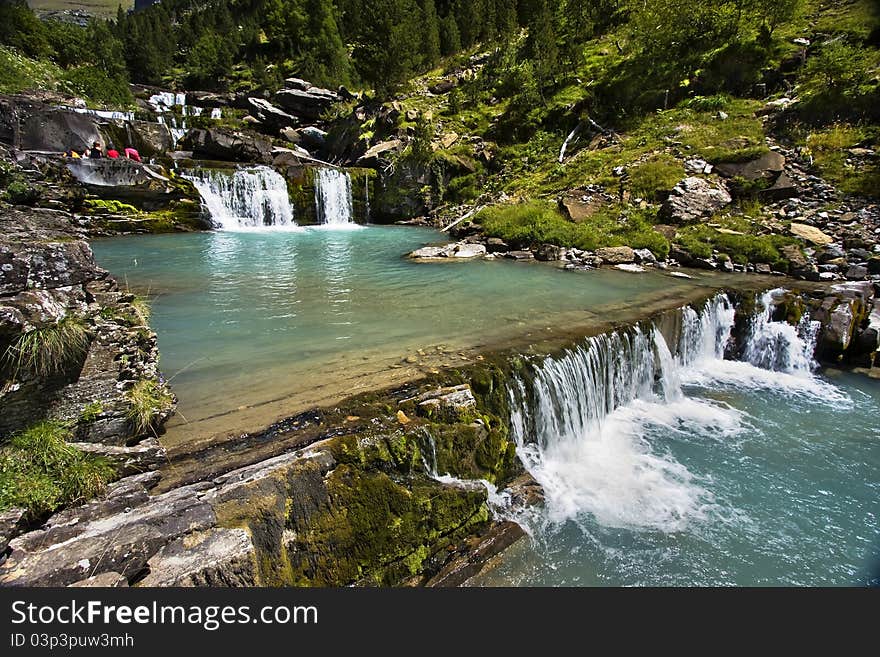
333	197
249	198
779	346
583	420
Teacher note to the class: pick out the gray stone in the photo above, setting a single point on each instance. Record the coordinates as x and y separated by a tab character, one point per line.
693	199
548	253
616	255
763	268
498	245
856	273
227	145
216	557
430	252
143	457
766	167
466	251
10	524
839	329
104	580
644	256
372	156
308	103
271	116
450	404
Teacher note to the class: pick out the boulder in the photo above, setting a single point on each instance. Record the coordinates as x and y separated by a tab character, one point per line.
313	137
644	256
373	154
443	87
227	146
308	103
578	207
452	404
146	455
271	116
616	255
34	126
783	188
469	251
856	273
839	328
767	167
796	259
810	234
496	245
548	253
692	199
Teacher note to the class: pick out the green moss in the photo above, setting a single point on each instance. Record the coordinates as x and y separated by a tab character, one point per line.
701	240
378	530
655	177
90	412
829	149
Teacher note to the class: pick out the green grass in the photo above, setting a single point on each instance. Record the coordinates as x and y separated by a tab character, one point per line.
19	73
829	150
41	472
658	174
701	240
537	222
147	400
47	351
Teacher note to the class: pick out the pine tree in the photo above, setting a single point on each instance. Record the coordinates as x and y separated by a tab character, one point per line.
450	39
431	31
541	45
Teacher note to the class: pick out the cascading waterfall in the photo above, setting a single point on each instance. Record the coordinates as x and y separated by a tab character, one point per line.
249	198
582	419
779	346
333	197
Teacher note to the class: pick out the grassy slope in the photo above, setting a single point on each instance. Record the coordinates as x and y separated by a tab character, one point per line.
652	148
99	8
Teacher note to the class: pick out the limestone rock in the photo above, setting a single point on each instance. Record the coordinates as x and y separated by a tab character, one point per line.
548	253
616	255
839	328
104	581
766	167
309	103
271	116
449	404
692	199
217	557
228	146
810	234
10	523
371	157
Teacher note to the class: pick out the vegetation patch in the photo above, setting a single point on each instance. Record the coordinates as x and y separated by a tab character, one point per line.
48	351
41	472
536	222
148	399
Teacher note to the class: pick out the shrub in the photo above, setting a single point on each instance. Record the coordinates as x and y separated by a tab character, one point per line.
94	83
19	192
652	178
47	351
41	472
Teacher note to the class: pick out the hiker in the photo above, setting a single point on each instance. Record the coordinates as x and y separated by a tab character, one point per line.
112	153
95	152
132	154
72	154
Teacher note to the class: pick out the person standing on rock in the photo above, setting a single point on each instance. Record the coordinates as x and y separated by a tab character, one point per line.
112	153
95	152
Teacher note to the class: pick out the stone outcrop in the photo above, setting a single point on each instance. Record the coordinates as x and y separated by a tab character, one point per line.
305	101
362	507
49	279
452	251
227	146
272	117
692	199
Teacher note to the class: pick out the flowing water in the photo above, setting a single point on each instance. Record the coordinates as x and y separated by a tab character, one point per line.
333	197
255	197
668	465
256	325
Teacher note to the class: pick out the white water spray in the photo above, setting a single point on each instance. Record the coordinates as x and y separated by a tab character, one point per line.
333	197
249	198
583	420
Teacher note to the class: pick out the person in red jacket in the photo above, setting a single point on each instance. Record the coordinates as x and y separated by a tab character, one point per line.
112	153
132	154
